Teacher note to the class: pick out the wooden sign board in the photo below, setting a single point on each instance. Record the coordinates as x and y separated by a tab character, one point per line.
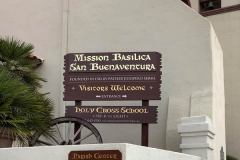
114	114
95	155
112	76
112	91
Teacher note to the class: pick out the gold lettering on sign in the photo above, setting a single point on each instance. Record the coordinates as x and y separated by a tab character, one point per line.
122	67
105	156
84	110
131	57
82	156
110	110
127	88
92	58
107	110
95	62
93	88
94	156
133	110
76	67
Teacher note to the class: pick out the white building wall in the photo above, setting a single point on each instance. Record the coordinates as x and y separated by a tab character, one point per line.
227	28
167	26
226	3
39	23
195	4
128	151
218	95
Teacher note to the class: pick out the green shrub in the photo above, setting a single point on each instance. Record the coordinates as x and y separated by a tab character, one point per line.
23	110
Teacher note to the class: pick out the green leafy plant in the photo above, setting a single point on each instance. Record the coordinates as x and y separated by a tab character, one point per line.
15	56
23	110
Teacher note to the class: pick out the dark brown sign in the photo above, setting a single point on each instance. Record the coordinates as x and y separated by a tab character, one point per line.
114	114
112	76
112	91
113	62
95	155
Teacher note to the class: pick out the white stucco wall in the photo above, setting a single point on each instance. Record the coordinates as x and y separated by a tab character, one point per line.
195	4
187	56
128	151
39	23
106	25
218	95
226	3
167	26
227	28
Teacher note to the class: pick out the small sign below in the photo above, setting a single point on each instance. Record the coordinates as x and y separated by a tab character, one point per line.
114	114
95	155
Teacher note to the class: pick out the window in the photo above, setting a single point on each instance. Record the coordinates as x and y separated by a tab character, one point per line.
206	5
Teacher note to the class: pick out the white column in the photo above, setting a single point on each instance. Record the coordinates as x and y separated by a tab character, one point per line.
197	136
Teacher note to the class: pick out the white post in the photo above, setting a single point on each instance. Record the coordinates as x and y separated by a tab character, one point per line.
197	136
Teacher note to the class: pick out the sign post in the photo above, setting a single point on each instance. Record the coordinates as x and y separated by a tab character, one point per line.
145	128
113	76
77	126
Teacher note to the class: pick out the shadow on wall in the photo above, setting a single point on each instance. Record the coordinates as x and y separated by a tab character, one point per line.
231	158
